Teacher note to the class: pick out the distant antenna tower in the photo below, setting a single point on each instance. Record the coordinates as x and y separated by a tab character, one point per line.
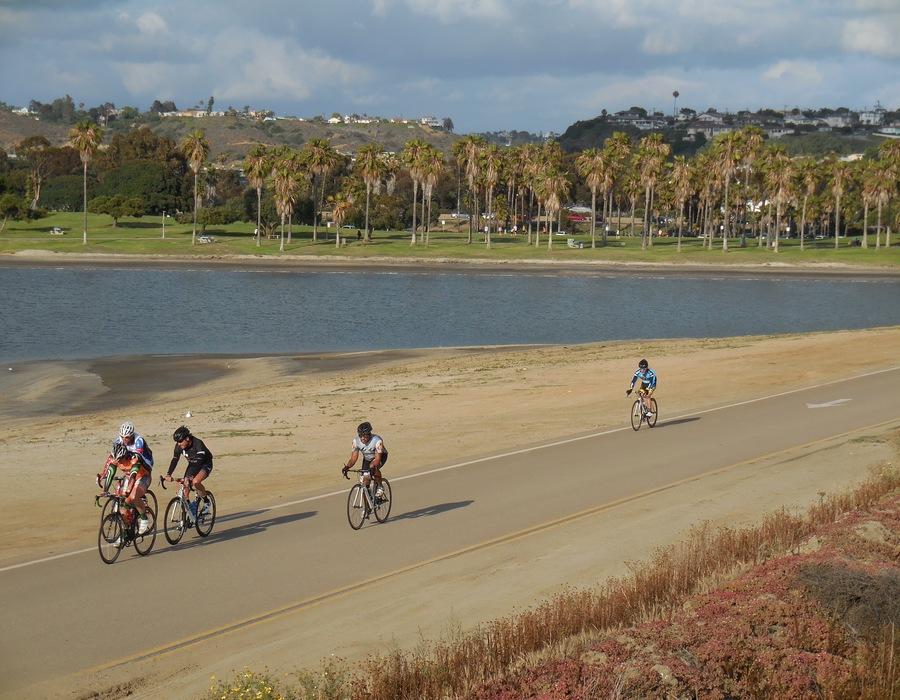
675	104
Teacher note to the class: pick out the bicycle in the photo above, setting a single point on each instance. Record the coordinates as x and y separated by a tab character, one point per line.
362	501
118	528
110	499
639	413
178	516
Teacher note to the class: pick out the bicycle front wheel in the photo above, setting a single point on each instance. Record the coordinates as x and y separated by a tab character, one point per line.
357	506
206	514
111	538
383	504
651	420
175	522
636	416
144	543
150	500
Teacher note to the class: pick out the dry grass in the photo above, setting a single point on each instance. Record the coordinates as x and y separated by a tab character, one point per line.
565	625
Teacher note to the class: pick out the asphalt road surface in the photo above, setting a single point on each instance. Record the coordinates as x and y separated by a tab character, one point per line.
73	615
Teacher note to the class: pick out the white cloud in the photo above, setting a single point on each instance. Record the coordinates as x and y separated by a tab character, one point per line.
879	36
151	23
449	11
803	73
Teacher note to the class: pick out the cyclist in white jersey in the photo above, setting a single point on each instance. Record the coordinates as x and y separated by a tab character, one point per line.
374	455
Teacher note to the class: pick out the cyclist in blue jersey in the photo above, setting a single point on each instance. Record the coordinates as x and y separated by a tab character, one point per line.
647	378
141	465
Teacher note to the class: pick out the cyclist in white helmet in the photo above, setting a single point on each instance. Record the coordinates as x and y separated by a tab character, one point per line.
141	462
374	455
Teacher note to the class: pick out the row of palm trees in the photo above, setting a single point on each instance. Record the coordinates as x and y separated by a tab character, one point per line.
740	182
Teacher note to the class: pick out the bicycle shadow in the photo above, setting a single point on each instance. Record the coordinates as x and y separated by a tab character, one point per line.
232	533
428	511
679	421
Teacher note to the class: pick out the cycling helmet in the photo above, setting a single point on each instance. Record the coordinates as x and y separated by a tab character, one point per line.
181	433
643	364
364	428
119	450
127	429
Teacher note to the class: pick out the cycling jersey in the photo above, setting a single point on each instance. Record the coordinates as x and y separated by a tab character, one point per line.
141	449
368	450
647	377
197	454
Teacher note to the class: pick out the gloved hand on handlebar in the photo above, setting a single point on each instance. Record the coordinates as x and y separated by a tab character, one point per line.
344	470
628	392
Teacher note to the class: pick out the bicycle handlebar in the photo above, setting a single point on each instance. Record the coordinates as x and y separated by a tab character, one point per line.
162	482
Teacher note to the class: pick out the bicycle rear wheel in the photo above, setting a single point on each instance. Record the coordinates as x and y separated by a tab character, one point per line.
175	522
651	420
206	514
636	416
144	543
383	507
111	538
357	506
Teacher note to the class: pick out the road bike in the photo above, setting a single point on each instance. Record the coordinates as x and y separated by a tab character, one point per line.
640	414
110	498
362	500
119	527
178	517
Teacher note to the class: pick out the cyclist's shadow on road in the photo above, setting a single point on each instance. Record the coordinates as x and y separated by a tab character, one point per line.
232	533
430	510
677	421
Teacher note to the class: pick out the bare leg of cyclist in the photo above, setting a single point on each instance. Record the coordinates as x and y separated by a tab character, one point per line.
135	498
198	482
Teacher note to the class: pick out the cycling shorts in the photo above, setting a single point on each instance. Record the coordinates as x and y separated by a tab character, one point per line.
194	469
145	481
645	389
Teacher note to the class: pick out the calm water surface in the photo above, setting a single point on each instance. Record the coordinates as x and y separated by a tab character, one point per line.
48	313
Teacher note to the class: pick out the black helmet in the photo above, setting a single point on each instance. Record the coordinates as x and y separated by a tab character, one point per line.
364	428
643	364
119	450
181	433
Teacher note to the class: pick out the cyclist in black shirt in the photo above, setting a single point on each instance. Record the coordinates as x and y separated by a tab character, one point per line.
199	458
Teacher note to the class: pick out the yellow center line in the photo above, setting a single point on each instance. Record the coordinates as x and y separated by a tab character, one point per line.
343	591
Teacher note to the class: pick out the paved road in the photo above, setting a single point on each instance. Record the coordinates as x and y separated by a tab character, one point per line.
55	618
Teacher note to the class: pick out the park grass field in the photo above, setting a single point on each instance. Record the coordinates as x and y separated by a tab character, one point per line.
143	236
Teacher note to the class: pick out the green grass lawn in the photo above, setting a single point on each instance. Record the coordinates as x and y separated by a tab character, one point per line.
144	236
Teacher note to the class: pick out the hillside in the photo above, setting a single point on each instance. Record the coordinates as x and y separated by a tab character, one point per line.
234	136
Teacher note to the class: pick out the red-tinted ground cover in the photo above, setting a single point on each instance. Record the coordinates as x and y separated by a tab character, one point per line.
817	623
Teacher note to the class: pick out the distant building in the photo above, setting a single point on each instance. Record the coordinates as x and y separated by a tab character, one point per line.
873	117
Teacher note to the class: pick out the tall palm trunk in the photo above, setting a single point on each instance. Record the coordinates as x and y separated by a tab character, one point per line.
777	226
537	232
680	226
258	215
878	230
412	240
368	196
837	220
865	236
646	212
194	232
84	240
530	207
803	221
725	230
281	247
593	217
650	220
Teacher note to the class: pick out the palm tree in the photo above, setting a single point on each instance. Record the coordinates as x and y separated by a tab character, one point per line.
371	167
593	165
492	163
469	157
555	188
320	159
652	154
195	148
257	166
780	181
728	155
839	173
286	187
618	149
412	156
681	185
85	137
808	181
885	183
432	169
868	192
341	205
530	171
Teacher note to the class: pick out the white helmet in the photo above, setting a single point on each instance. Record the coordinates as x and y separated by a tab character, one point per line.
127	429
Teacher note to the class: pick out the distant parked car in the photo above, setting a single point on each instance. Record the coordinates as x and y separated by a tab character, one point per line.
57	231
820	237
346	226
206	239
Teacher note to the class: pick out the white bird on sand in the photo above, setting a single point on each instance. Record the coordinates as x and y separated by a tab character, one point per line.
188	414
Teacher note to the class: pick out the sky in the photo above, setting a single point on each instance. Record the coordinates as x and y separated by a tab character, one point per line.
489	65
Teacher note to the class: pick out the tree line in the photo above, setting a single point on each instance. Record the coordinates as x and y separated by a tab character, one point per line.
739	186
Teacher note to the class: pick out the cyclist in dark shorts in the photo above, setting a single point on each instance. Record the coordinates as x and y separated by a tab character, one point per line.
199	462
374	455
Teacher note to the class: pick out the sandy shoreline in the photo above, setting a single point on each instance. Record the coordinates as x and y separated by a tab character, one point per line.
280	426
41	258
